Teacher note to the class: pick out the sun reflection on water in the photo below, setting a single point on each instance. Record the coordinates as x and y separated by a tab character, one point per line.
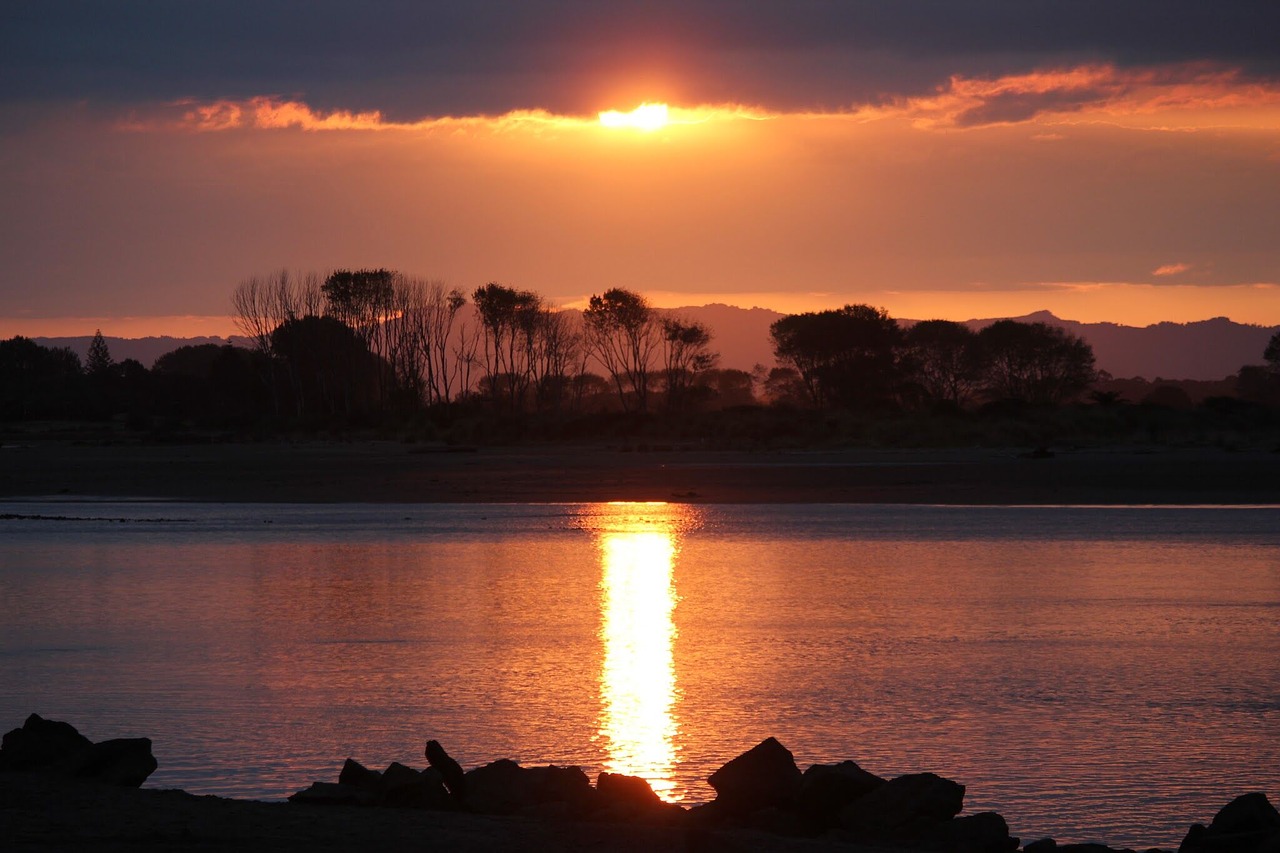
638	691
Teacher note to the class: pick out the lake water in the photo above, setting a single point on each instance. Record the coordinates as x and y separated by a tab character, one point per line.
1091	673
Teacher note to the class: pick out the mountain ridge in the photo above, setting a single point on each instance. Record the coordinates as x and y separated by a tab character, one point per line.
1202	349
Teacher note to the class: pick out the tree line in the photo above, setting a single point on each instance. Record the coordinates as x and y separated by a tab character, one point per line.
375	346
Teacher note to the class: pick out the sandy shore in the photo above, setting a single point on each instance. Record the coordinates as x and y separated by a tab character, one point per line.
399	473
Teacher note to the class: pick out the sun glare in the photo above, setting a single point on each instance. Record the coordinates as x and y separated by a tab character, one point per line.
645	117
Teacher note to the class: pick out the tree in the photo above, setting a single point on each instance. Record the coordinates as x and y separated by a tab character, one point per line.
1272	353
37	381
622	333
99	362
943	358
1035	362
686	352
330	368
846	357
509	319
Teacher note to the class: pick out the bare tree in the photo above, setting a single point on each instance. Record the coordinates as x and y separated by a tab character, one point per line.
686	352
622	333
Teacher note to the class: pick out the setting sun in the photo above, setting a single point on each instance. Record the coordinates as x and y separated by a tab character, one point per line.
644	117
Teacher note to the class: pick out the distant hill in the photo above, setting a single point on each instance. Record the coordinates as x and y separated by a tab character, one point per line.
1204	350
144	350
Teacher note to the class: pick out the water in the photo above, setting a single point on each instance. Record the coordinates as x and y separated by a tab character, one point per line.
1090	673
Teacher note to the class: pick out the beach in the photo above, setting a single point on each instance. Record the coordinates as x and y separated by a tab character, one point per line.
391	472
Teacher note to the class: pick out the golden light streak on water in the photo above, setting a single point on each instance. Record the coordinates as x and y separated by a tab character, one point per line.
638	689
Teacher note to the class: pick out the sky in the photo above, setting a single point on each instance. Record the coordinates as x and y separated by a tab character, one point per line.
1107	161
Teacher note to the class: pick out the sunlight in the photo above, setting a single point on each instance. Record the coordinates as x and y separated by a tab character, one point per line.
646	117
638	682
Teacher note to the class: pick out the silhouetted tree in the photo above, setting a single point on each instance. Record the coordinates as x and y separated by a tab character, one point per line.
784	387
622	333
99	362
845	357
330	369
1272	353
686	352
509	319
1034	362
943	358
38	382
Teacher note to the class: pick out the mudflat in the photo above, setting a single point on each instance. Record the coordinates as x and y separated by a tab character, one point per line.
410	473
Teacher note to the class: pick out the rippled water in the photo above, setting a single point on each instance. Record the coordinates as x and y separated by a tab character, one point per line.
1091	673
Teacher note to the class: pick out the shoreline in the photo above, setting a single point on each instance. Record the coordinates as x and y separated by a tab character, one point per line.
389	472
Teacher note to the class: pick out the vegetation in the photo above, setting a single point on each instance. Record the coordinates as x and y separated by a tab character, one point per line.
386	354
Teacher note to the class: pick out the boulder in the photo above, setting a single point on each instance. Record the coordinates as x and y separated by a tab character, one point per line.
826	789
504	787
122	762
906	807
406	788
43	745
762	777
56	747
625	798
1247	813
333	794
984	832
357	775
1247	824
450	771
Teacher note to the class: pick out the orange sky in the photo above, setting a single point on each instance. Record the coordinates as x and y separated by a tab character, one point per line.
1133	196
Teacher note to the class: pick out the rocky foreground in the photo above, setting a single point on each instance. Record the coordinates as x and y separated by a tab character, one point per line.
60	791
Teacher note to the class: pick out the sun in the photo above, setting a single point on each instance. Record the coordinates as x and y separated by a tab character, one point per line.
647	117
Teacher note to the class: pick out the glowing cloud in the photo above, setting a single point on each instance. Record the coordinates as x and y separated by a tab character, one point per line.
647	117
1171	269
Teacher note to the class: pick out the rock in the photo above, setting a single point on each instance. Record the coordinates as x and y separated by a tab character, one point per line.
1247	813
122	762
1089	848
1044	845
618	788
764	776
825	789
333	794
623	798
357	775
43	745
56	747
1247	824
450	771
504	787
406	788
984	832
904	807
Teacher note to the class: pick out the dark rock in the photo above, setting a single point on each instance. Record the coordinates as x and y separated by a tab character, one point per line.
43	745
825	789
618	788
123	762
504	787
56	747
1247	824
1247	813
624	798
450	771
357	775
1044	845
907	806
333	794
406	788
764	776
1089	848
984	832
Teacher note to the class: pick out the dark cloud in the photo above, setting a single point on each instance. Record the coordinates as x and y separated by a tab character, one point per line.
422	57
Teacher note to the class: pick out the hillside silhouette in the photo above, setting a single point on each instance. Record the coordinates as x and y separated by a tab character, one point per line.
1202	350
